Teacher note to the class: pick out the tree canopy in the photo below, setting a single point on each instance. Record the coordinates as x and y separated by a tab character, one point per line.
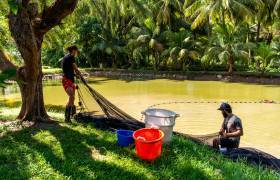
27	22
164	34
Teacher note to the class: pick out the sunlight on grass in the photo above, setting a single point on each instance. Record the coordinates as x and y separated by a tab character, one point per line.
80	151
8	114
51	141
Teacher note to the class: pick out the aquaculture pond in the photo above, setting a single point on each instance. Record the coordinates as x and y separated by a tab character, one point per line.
195	101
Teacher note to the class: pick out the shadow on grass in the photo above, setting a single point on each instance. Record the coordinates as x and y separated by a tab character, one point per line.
65	150
76	161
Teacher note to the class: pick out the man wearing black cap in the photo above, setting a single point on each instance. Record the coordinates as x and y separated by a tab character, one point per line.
231	129
70	68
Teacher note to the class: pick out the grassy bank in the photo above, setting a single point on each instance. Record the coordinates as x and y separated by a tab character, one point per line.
77	151
245	77
237	77
49	70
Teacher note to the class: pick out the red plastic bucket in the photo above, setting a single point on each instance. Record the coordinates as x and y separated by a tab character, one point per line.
148	143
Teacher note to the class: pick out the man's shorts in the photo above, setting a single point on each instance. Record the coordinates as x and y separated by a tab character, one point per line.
68	83
228	143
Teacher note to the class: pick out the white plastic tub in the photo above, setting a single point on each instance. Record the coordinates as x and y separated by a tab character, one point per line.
162	119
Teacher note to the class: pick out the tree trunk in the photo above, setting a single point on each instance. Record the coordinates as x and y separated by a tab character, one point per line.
32	101
230	63
269	38
230	70
156	60
258	32
28	111
223	18
28	28
32	108
29	44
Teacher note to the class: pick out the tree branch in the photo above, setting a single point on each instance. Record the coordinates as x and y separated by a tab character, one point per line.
25	2
54	14
5	62
22	31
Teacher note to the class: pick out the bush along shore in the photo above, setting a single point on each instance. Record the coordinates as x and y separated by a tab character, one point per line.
80	151
246	77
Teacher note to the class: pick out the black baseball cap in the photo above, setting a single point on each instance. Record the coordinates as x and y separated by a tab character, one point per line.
73	48
224	106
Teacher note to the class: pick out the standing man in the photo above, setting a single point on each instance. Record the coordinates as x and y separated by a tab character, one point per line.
231	129
70	68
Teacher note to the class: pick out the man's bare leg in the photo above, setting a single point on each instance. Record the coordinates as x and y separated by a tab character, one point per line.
71	94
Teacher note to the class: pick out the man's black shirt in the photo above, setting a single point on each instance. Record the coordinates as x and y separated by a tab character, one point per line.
67	67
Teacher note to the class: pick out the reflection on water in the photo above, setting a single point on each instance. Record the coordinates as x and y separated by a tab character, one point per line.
261	121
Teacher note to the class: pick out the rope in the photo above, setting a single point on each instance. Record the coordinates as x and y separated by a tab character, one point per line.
211	102
81	100
215	102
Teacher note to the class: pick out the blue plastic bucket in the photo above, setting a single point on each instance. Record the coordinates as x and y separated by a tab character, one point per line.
125	137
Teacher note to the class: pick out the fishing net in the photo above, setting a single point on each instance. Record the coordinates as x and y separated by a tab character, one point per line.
105	115
97	104
97	109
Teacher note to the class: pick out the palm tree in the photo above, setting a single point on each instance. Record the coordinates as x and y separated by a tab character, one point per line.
265	55
266	13
216	11
276	10
167	9
227	45
180	49
116	18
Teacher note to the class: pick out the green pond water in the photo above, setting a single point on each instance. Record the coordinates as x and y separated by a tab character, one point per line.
261	121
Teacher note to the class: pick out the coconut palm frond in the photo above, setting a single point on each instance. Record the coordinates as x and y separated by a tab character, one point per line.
215	11
200	19
214	51
223	56
244	55
187	3
189	11
276	9
240	8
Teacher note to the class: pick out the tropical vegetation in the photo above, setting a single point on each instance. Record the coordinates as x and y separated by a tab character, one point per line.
180	35
166	35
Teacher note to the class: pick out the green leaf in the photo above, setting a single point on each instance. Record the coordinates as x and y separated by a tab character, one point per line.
109	50
5	75
194	55
223	56
149	23
13	4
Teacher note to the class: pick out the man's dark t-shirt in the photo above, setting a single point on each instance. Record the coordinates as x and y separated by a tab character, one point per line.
67	67
232	124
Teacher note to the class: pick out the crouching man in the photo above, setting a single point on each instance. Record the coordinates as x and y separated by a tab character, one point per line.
231	129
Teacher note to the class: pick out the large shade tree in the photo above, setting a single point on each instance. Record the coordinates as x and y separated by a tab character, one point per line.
28	26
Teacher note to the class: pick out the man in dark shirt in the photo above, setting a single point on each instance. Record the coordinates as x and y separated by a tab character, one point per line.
70	68
231	129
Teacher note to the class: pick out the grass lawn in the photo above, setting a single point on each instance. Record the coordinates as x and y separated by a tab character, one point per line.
80	151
